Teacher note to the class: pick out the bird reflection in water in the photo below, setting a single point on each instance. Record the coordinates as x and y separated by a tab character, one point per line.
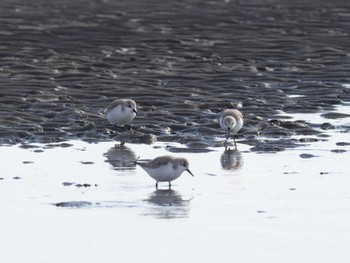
121	157
167	204
231	159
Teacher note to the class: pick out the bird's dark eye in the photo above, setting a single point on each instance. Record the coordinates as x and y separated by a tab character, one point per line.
129	106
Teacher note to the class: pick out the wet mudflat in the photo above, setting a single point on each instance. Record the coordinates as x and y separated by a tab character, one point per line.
68	194
89	201
62	63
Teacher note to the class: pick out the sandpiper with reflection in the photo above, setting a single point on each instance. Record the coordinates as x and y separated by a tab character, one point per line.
121	112
231	121
165	168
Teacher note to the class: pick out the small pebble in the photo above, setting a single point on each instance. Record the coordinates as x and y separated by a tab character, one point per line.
306	155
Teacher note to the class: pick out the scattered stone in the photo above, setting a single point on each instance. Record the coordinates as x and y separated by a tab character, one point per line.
306	155
343	143
323	135
78	185
335	115
74	204
28	146
327	126
16	178
27	162
83	185
276	132
67	184
65	145
62	145
308	140
88	162
293	125
307	131
338	151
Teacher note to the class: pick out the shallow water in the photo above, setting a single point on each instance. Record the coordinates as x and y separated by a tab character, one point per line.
67	194
87	201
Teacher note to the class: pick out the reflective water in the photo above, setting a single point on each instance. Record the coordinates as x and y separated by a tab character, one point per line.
81	202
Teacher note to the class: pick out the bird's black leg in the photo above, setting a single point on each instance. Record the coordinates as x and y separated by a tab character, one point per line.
131	128
169	185
119	145
157	185
118	128
128	127
234	140
228	134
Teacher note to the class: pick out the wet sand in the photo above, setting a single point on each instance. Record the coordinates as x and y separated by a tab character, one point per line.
64	62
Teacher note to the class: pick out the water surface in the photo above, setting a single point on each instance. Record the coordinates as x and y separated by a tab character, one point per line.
80	202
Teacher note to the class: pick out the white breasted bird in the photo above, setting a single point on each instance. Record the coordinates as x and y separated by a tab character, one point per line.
121	112
231	121
165	168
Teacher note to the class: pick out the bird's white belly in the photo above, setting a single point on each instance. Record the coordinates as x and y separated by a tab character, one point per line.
164	173
239	125
235	129
119	117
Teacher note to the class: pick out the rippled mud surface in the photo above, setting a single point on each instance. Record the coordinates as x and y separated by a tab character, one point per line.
63	62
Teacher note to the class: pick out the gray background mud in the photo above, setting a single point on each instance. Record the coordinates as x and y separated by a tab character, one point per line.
62	63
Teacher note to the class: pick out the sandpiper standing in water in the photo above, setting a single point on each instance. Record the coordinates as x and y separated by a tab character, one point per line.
165	168
231	121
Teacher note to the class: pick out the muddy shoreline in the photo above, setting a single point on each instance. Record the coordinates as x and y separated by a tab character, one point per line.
63	63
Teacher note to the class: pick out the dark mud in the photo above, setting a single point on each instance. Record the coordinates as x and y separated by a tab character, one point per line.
63	62
86	204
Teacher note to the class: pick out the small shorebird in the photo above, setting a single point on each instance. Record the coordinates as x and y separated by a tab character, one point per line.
121	112
165	168
231	121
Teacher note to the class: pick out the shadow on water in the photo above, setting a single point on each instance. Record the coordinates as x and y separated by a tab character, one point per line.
167	204
231	159
121	157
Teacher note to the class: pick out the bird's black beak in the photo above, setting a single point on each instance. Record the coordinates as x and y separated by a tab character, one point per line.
135	112
188	170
